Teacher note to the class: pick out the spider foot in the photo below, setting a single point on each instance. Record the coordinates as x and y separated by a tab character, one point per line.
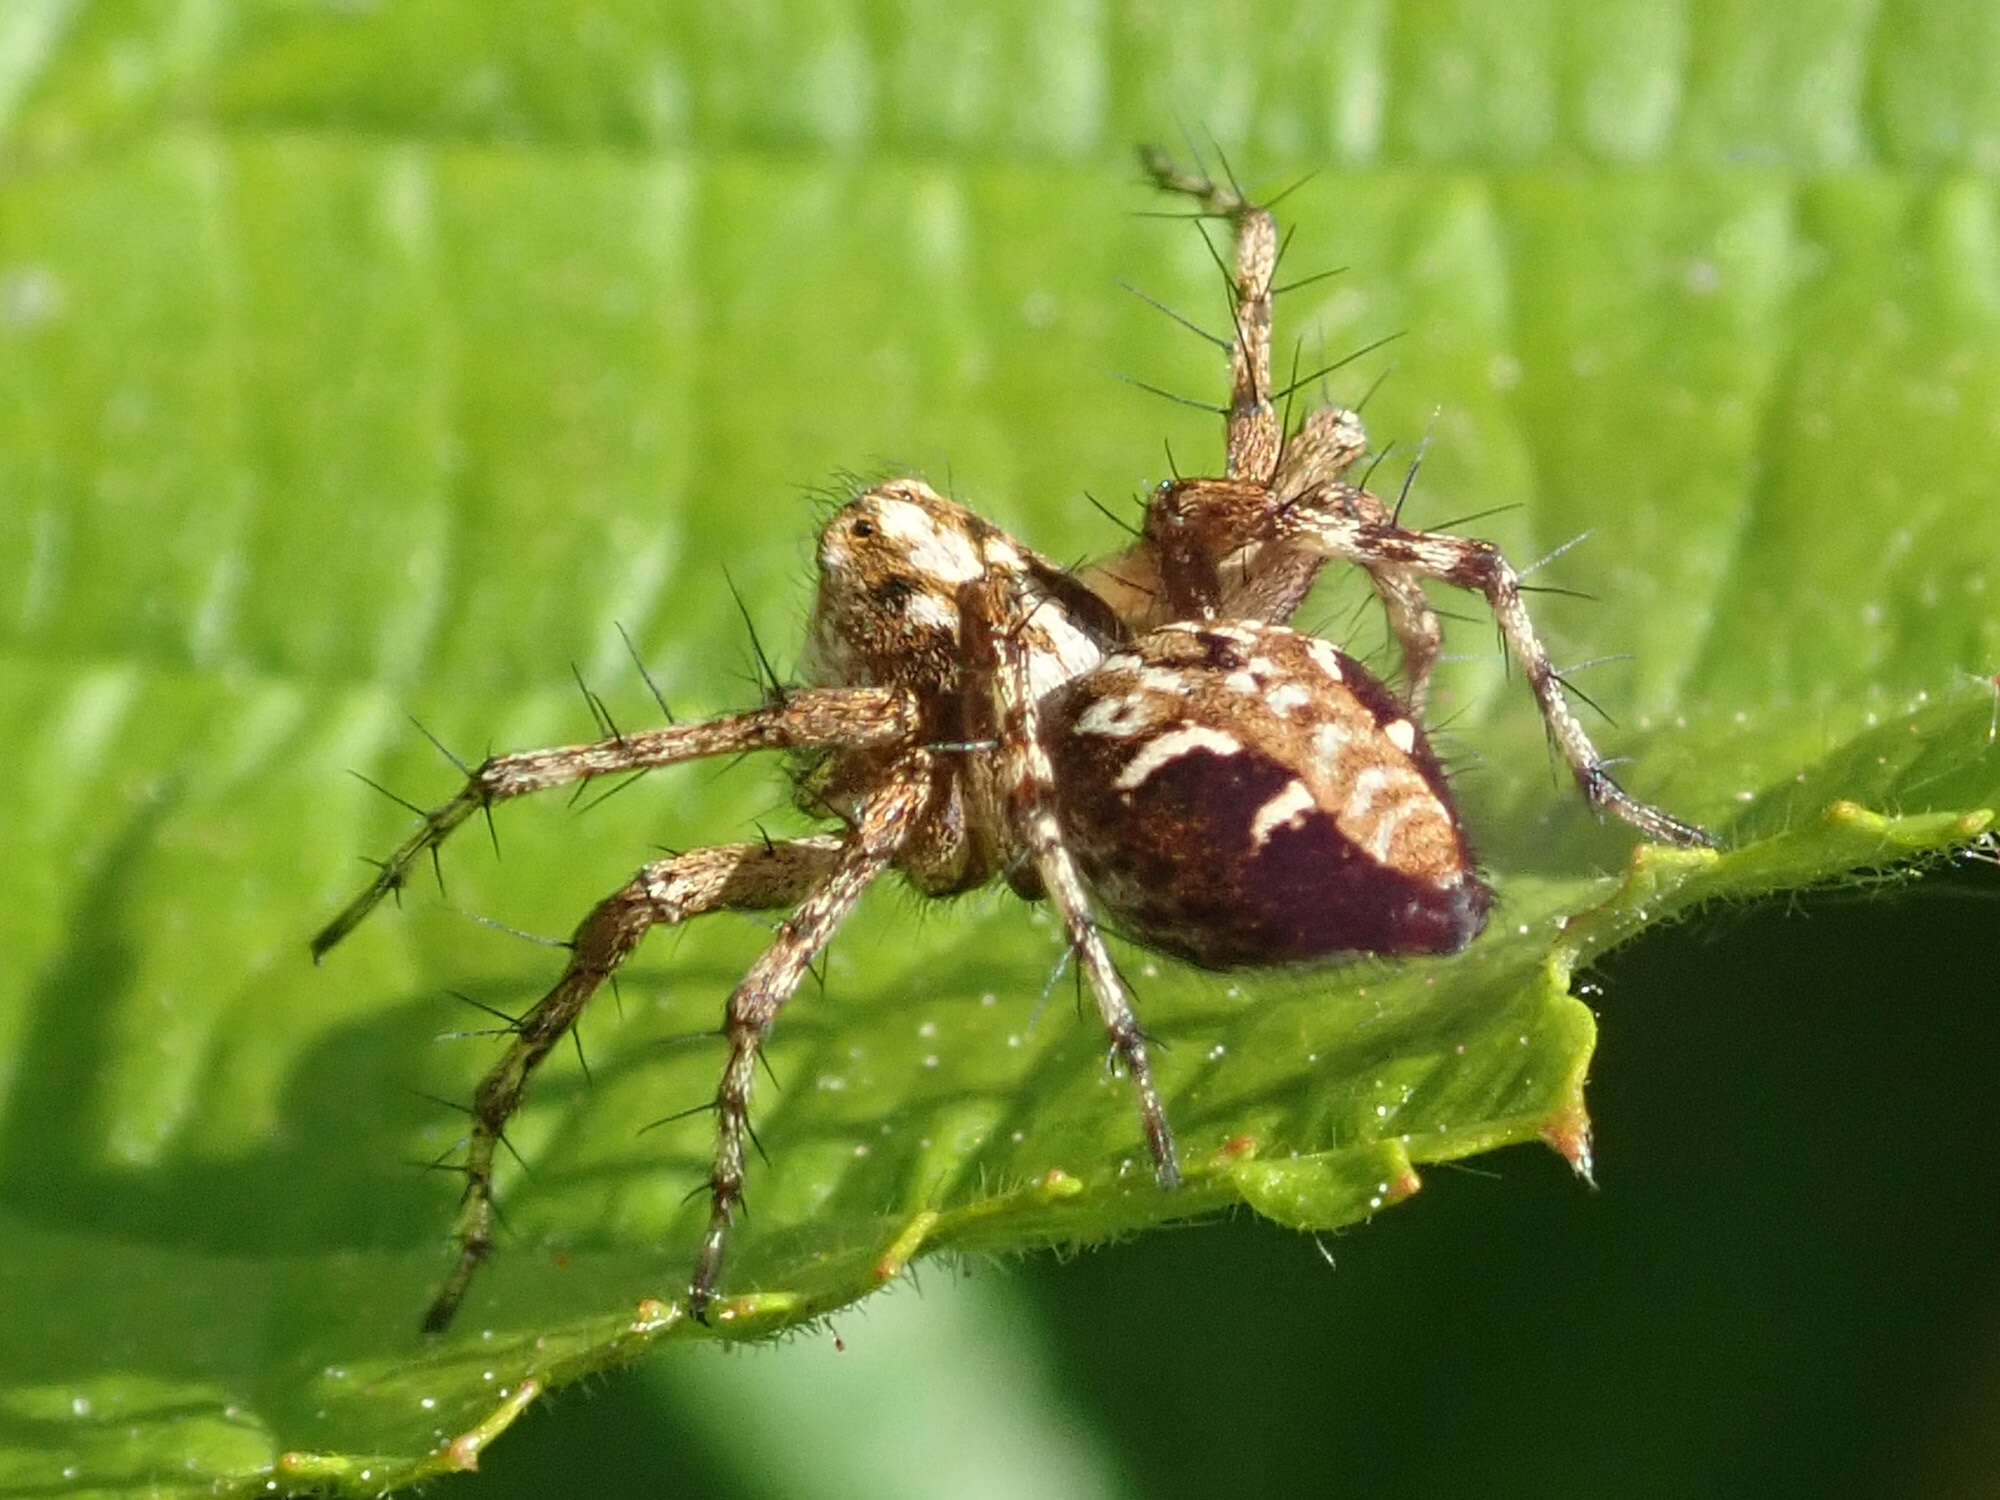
708	1261
1607	795
394	872
1169	176
474	1236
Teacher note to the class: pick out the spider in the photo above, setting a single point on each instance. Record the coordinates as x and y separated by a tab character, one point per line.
1145	743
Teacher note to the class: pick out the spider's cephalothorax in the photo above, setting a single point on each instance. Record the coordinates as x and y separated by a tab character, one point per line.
1145	744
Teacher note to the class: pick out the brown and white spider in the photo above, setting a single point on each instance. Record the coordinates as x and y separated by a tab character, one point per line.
1146	744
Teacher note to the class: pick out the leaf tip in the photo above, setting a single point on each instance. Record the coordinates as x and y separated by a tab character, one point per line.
1406	1184
1567	1132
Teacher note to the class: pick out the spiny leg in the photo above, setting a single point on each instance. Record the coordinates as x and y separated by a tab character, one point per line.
1269	580
1253	435
850	717
1324	448
1418	634
1263	582
881	829
1333	520
1028	784
735	877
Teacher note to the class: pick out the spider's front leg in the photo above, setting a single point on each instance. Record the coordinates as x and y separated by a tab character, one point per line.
852	717
732	877
880	831
995	617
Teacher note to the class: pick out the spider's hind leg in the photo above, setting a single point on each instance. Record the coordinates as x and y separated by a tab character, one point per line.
1350	524
1238	569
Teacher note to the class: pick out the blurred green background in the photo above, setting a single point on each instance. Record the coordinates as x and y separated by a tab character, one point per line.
1721	280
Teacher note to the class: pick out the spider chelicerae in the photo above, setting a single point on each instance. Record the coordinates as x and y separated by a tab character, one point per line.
1144	743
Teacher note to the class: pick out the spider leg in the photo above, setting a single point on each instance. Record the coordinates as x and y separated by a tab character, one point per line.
857	717
1415	625
1028	786
1259	581
1324	449
1348	524
1270	580
881	829
731	877
1254	435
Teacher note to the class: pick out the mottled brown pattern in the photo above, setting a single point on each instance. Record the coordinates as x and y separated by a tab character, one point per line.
1235	794
1143	738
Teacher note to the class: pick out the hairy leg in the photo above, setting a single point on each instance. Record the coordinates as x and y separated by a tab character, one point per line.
1027	779
731	877
850	717
1253	435
1334	521
879	832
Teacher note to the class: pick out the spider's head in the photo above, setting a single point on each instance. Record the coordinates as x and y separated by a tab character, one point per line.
891	562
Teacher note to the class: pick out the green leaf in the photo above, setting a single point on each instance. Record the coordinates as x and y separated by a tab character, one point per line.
360	363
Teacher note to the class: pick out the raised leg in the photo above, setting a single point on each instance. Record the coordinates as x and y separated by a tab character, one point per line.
1253	434
733	877
879	832
850	717
1250	545
1181	578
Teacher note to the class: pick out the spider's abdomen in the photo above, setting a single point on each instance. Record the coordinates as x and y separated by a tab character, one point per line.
1239	793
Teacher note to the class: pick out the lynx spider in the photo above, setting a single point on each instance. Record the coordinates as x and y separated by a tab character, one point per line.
1146	738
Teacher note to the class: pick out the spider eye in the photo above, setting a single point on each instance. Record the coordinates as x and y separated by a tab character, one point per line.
893	590
863	528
